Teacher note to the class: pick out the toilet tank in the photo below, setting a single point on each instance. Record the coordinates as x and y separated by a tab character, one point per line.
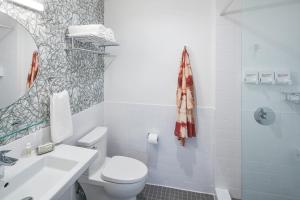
96	139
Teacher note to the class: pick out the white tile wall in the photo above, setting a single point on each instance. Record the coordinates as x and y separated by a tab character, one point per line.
228	101
190	167
270	165
152	35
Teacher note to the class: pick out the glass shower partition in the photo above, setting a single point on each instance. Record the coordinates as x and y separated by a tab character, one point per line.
271	99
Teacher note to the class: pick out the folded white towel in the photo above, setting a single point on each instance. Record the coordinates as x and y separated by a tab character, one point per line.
60	117
98	30
87	29
109	35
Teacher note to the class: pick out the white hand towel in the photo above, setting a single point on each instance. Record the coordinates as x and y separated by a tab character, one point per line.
60	117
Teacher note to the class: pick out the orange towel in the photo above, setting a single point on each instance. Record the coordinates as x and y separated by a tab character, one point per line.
185	101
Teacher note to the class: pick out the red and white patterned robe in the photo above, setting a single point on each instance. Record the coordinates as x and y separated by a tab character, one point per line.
185	101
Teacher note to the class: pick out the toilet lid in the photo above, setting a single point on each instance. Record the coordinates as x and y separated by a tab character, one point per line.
122	169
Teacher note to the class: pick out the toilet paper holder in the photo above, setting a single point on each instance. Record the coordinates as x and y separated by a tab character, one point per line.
149	133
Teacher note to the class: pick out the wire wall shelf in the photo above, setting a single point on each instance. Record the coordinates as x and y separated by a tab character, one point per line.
97	41
292	97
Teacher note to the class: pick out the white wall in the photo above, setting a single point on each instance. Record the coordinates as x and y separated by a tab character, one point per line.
228	100
140	87
152	35
271	170
190	167
266	175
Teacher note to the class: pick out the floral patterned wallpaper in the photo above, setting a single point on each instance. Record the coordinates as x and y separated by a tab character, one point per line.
80	73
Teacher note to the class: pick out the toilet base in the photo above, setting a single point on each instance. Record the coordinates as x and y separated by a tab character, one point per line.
95	192
134	198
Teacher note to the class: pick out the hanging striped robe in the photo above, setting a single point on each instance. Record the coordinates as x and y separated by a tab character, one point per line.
185	124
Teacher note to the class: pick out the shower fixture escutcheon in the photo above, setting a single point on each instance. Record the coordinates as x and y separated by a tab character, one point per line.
264	116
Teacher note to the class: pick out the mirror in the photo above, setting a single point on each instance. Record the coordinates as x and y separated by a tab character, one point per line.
31	4
19	60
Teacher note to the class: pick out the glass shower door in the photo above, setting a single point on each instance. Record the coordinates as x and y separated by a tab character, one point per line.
271	100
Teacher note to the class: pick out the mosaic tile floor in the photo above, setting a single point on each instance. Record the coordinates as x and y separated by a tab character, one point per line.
152	192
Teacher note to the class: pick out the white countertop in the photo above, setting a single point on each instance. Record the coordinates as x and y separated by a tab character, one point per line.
82	158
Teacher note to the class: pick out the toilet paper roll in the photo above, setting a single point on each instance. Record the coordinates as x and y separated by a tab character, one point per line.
153	138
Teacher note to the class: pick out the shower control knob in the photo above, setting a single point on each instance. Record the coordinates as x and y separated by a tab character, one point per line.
264	116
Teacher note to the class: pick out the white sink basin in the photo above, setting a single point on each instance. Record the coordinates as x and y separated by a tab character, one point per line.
48	176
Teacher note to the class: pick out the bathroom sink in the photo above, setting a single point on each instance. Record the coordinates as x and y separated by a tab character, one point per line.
38	179
46	177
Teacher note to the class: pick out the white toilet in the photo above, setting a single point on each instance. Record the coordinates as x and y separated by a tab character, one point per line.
116	178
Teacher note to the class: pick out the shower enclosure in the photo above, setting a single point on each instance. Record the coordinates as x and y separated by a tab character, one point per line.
270	99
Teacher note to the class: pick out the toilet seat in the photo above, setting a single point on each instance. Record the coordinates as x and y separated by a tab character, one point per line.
124	170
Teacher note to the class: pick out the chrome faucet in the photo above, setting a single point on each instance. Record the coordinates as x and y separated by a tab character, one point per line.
5	160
